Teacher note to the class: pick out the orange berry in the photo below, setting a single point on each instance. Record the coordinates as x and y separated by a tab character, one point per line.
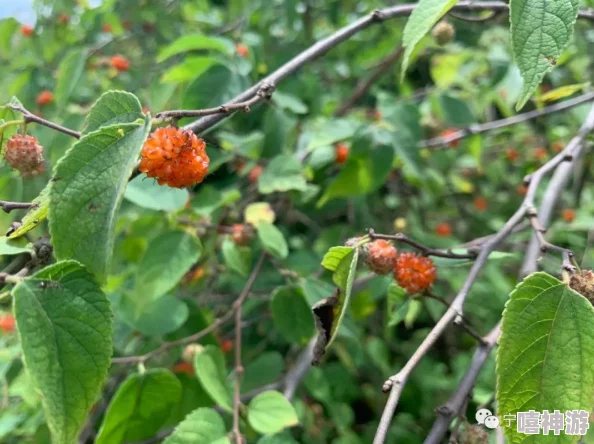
342	153
175	157
540	153
63	19
120	63
255	173
522	189
45	98
241	234
414	273
184	367
512	154
25	154
27	30
443	229
558	146
450	132
106	27
196	274
7	323
381	256
568	215
242	50
227	345
480	203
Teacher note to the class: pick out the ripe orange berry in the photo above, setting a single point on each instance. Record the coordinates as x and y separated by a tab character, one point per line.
63	18
512	154
414	273
120	63
27	30
449	132
175	157
381	256
522	189
568	215
184	367
480	203
242	50
443	229
7	322
255	173
227	345
558	146
540	153
195	275
241	234
342	153
45	98
25	154
106	27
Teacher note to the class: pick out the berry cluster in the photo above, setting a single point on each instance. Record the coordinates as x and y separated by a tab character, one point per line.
25	154
175	157
414	273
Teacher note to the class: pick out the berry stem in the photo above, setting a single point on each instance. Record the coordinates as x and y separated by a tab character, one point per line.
11	123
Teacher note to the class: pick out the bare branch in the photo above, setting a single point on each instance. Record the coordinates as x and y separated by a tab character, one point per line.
7	206
28	116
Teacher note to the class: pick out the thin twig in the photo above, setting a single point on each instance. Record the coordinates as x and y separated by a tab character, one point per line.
365	84
545	245
399	237
7	206
395	383
323	46
28	116
199	335
514	120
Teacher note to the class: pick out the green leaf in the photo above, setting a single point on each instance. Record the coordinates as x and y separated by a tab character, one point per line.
9	247
545	356
562	92
283	173
147	193
166	260
272	240
289	102
162	316
236	258
264	369
188	69
270	412
69	72
211	372
361	175
324	132
214	87
65	324
111	108
202	426
540	30
334	256
194	42
140	407
426	14
34	216
329	312
279	438
291	314
8	27
258	212
86	193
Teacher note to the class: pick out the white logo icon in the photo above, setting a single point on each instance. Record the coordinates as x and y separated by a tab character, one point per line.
491	422
483	414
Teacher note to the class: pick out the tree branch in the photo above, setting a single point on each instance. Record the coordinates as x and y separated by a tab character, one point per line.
7	206
395	384
28	116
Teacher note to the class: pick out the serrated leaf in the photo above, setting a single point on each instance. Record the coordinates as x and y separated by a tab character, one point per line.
86	193
283	173
270	412
10	247
111	108
211	372
202	426
291	315
426	14
259	212
166	260
140	407
34	216
69	71
540	30
545	359
329	312
236	258
65	325
147	193
334	256
272	240
193	42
